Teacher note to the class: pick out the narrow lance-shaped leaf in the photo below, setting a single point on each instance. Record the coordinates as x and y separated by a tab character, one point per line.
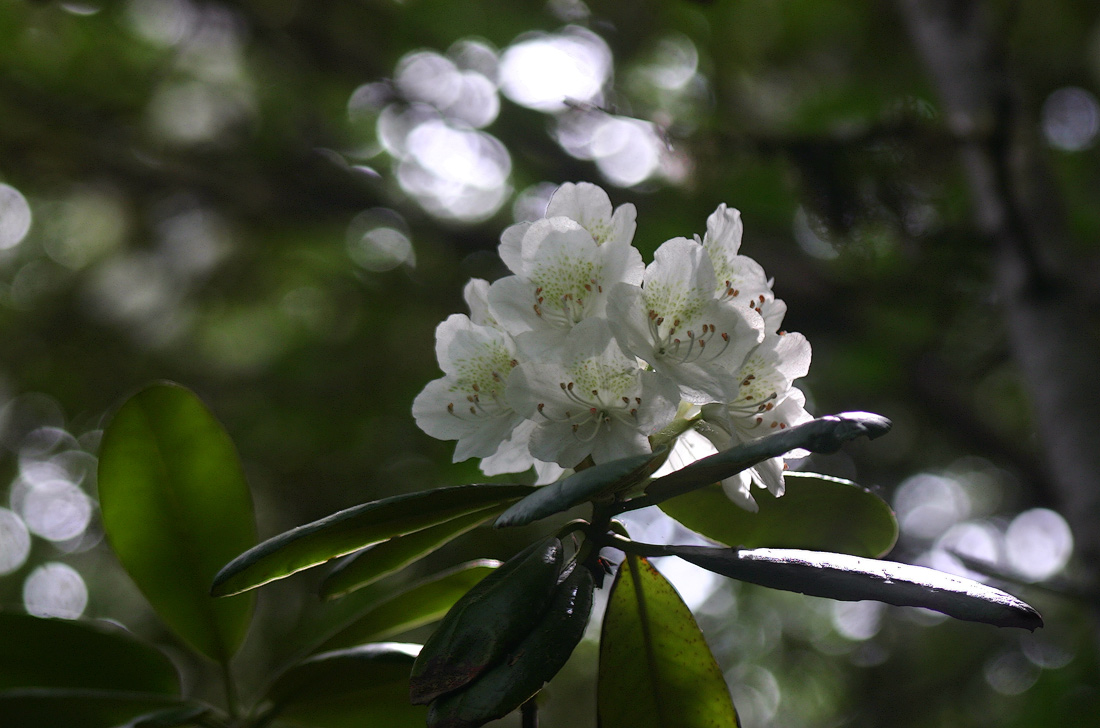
617	475
354	528
656	670
824	435
371	564
420	604
175	507
852	578
61	653
816	512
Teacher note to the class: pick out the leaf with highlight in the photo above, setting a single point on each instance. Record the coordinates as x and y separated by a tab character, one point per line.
371	564
355	528
175	506
420	604
656	670
852	578
816	512
365	685
617	475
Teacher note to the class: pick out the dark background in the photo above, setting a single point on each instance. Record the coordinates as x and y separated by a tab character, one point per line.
227	194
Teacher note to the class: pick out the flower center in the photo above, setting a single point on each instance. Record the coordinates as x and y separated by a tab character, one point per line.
479	385
565	290
597	396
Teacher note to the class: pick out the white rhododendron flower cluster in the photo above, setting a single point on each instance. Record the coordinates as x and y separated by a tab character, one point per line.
586	352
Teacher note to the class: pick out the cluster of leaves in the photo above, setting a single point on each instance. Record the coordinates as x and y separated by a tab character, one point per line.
176	508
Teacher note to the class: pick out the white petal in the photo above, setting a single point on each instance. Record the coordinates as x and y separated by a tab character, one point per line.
660	398
736	489
511	246
769	474
680	281
618	441
476	295
430	411
724	230
513	455
511	300
445	334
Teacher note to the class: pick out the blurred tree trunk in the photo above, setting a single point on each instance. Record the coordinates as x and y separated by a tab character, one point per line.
1017	207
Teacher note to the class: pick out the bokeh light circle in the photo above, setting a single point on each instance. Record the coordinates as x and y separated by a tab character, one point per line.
15	217
1038	543
56	510
1071	119
15	542
544	72
55	590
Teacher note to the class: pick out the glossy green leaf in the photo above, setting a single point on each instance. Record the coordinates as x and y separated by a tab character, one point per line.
367	566
528	665
852	578
421	604
656	670
361	686
487	622
617	475
57	707
175	507
61	653
816	512
355	528
824	434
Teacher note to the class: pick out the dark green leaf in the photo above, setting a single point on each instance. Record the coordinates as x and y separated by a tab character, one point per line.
656	670
371	564
852	578
355	528
58	707
617	475
421	604
825	435
344	671
816	512
528	665
61	653
488	621
362	686
175	508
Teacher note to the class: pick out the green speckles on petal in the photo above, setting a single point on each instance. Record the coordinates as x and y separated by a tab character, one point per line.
568	284
485	373
676	302
611	381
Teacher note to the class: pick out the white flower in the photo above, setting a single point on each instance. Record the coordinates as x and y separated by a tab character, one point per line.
594	400
739	279
587	205
766	402
562	278
468	403
675	322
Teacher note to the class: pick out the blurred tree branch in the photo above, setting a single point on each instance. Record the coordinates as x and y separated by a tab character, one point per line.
1015	204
